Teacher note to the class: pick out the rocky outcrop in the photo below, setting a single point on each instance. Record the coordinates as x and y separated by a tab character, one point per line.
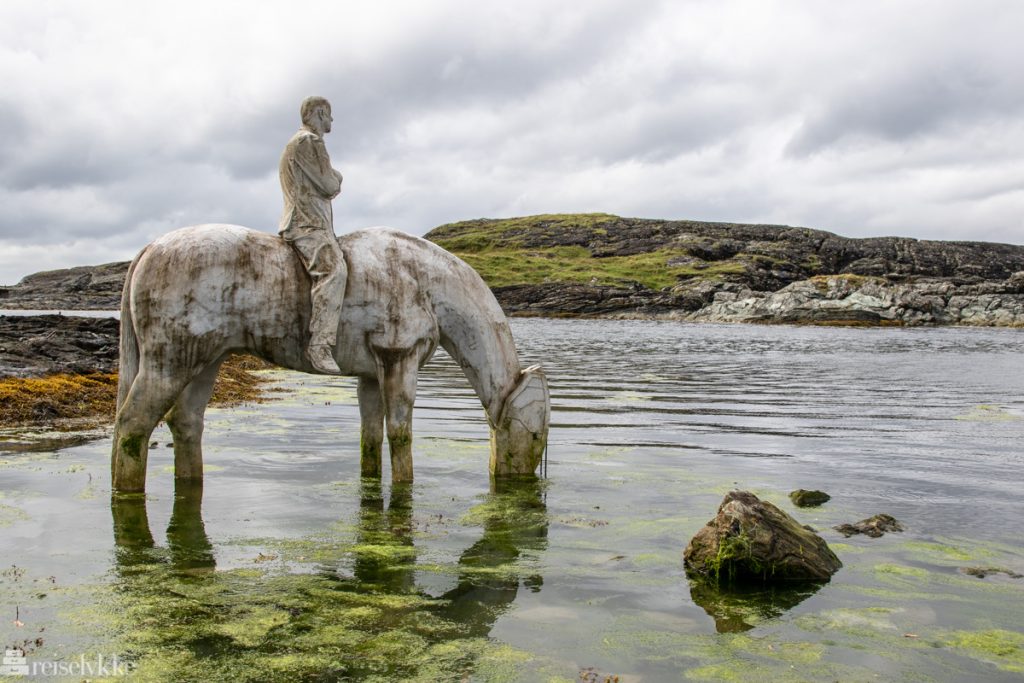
755	273
718	272
33	346
824	300
752	541
80	288
855	299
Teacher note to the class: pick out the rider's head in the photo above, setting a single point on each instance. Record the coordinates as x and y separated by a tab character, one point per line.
316	114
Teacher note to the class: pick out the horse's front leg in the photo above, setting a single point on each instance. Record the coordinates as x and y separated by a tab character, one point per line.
398	370
371	437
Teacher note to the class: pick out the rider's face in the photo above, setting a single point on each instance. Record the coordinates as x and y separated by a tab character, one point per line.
324	115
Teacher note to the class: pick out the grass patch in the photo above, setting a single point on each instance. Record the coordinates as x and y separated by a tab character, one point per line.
485	233
503	267
550	248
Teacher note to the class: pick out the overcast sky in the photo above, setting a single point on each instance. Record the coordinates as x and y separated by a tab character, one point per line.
120	121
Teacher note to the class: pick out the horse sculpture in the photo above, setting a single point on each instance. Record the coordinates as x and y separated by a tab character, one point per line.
198	294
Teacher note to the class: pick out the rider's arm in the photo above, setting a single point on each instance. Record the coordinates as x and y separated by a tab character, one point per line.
311	157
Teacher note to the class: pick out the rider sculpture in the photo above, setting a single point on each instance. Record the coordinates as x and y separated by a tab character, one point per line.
309	184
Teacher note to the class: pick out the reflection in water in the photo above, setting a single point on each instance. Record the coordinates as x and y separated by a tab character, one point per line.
187	544
132	536
516	520
385	555
188	548
264	624
736	609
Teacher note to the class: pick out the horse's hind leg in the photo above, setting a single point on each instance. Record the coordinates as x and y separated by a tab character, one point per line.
371	437
398	369
186	423
150	396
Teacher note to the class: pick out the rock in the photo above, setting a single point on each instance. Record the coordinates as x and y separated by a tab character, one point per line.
725	273
982	572
33	346
752	541
803	498
872	526
756	273
79	288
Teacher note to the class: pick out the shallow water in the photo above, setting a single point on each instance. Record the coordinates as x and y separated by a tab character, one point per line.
287	567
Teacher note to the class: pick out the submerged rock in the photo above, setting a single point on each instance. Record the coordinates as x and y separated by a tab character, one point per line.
753	541
803	498
872	526
982	572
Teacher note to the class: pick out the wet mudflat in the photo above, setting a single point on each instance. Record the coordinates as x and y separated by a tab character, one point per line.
286	566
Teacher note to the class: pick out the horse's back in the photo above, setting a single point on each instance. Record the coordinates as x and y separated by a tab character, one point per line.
230	286
233	288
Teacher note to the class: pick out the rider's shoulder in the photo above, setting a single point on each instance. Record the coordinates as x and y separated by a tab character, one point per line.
304	138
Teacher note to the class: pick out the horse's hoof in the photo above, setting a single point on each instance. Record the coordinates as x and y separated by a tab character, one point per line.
322	359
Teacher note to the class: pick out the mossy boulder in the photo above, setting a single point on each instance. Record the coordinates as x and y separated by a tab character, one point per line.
803	498
752	541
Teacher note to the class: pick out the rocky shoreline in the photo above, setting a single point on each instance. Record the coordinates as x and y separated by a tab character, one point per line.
60	372
602	266
598	265
822	300
40	345
71	289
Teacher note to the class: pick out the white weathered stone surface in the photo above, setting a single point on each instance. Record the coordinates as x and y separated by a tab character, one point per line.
197	294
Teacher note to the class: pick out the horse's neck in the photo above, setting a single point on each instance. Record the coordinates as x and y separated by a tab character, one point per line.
484	348
472	326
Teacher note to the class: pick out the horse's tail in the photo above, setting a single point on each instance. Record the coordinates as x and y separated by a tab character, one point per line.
129	362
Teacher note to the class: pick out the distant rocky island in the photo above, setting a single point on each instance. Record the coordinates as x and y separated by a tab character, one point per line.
599	265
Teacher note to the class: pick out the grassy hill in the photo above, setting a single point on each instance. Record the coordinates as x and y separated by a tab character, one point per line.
601	249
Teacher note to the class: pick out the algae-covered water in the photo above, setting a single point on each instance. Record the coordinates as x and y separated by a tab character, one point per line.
288	567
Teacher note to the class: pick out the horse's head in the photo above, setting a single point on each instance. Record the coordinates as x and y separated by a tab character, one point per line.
519	437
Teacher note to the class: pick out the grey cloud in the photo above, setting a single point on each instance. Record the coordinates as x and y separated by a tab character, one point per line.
916	102
464	117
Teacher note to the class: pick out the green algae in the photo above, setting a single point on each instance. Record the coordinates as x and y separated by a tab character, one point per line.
384	552
988	413
724	657
269	623
872	623
902	571
939	550
10	515
1004	649
846	548
271	626
253	629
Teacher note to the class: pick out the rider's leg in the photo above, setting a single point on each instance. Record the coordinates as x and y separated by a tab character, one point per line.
325	263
